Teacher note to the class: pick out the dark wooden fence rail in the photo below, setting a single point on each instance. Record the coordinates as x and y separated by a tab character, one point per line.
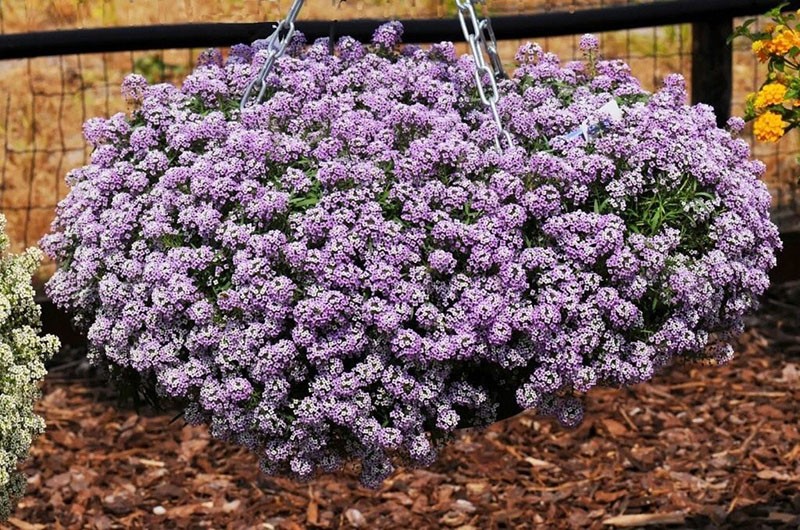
712	65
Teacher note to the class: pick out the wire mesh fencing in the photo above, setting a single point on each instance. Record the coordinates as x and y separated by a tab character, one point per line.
45	100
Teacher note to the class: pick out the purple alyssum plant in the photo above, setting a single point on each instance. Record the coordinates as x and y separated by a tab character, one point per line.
349	270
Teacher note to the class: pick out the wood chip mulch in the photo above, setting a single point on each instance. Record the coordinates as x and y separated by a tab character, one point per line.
700	447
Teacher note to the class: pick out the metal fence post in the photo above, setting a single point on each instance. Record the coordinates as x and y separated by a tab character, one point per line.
712	65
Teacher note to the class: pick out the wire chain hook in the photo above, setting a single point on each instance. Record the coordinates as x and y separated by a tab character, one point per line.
481	39
276	46
478	34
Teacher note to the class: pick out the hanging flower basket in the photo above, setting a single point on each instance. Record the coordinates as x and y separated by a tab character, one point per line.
351	271
23	351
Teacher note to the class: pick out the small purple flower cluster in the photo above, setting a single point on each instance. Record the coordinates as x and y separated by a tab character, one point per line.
349	270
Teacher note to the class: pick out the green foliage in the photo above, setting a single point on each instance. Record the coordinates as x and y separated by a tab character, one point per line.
673	207
155	70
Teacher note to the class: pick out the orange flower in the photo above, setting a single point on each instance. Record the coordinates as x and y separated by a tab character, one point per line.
783	41
759	49
769	127
770	94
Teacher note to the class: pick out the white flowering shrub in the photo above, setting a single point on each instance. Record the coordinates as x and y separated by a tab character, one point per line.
23	351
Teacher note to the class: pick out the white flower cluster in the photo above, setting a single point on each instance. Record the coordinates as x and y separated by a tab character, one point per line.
23	351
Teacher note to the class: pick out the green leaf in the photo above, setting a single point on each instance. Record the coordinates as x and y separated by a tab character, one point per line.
172	240
777	11
657	217
304	202
742	31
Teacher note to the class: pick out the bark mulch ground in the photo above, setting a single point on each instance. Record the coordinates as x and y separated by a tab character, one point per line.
700	447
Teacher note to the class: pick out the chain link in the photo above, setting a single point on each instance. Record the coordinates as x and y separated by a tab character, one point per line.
276	46
477	32
479	35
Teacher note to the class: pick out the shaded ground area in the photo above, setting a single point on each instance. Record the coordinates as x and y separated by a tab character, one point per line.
699	448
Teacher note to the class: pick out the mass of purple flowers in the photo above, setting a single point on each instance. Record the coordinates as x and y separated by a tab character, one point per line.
350	271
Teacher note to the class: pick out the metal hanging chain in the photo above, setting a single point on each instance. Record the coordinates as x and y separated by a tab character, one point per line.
481	39
276	46
479	36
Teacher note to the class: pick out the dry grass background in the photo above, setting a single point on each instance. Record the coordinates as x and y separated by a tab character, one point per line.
44	101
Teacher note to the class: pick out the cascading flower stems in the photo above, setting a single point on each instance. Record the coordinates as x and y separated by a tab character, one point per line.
350	271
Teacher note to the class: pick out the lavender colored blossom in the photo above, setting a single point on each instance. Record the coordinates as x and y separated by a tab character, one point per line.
133	87
350	271
589	43
388	36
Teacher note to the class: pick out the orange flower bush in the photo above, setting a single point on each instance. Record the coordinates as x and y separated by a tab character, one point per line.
769	127
770	94
775	108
